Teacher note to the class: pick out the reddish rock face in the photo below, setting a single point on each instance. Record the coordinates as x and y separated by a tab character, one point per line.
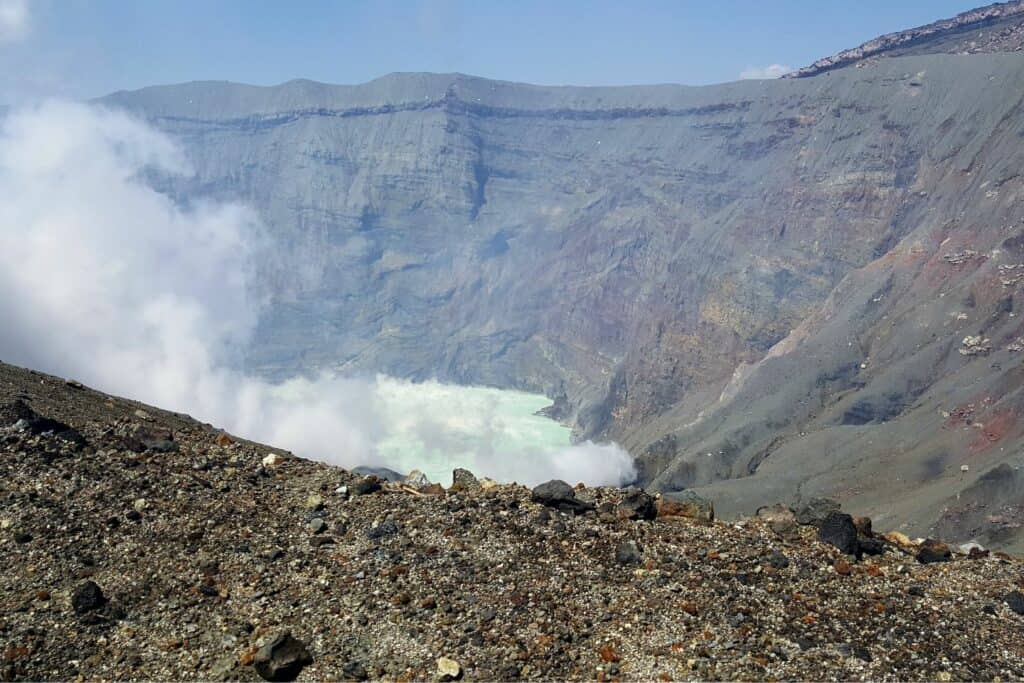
686	504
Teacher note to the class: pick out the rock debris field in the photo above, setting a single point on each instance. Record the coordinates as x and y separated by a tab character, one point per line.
140	544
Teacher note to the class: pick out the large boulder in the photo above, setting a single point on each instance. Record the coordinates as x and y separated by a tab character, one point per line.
18	414
88	598
871	546
379	472
933	551
838	529
636	504
815	511
1015	601
282	658
464	480
686	504
366	485
139	439
559	495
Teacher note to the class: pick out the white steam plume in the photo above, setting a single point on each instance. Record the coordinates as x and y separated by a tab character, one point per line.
105	279
765	72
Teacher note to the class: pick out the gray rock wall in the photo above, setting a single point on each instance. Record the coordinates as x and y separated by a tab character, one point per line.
637	251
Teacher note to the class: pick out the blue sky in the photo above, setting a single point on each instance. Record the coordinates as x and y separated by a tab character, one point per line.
85	48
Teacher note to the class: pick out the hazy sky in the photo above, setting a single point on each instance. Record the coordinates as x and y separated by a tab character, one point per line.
85	48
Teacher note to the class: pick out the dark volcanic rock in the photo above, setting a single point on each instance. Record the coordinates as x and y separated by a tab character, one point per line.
815	511
778	560
1015	601
354	671
553	492
871	546
380	472
837	529
628	552
20	413
933	551
366	485
88	598
282	659
382	530
636	505
559	495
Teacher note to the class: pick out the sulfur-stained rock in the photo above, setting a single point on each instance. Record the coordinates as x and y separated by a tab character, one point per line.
448	669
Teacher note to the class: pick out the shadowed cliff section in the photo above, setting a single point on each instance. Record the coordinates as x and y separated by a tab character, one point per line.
753	270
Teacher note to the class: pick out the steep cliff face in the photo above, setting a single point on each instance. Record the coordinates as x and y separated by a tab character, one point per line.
746	280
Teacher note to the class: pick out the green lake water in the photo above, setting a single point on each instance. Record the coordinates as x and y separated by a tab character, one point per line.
437	427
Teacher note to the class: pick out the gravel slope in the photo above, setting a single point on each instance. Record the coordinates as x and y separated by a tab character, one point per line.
204	548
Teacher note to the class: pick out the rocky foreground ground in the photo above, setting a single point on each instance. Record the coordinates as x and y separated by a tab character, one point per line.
139	544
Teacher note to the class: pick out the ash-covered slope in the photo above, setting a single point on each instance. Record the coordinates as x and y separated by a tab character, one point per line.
638	253
138	544
998	27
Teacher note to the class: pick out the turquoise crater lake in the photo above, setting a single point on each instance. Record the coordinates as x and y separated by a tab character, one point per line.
437	427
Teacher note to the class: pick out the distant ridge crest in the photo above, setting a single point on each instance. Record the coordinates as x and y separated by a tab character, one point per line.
1004	22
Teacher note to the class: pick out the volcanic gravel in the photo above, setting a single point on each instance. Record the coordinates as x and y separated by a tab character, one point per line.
140	544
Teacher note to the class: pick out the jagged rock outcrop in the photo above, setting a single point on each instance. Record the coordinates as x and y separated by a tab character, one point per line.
762	289
998	27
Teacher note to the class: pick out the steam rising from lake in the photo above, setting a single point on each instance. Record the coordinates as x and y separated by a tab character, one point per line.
104	279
